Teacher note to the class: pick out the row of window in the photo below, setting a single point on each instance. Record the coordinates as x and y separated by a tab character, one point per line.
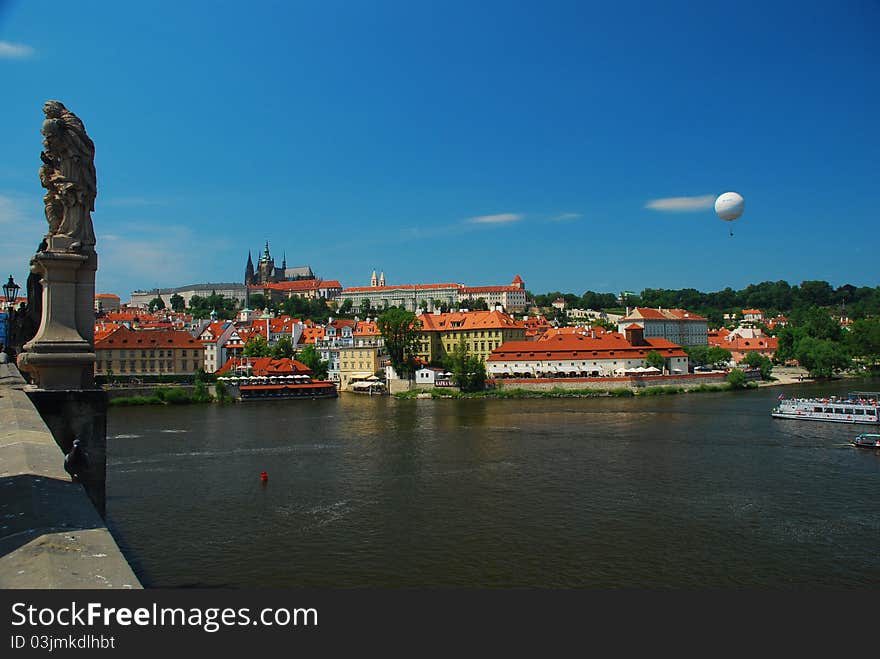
152	366
841	410
360	365
120	354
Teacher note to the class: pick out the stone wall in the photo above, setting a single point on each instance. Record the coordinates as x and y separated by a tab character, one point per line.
607	384
51	535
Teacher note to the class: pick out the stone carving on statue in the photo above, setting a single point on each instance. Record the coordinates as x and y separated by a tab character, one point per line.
68	175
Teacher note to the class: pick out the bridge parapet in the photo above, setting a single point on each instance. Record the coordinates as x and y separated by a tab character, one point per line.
51	534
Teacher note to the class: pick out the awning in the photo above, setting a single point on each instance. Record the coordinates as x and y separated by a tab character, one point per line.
365	385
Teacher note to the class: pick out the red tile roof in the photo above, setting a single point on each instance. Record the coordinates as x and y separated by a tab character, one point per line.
647	313
576	346
490	289
123	337
462	321
408	287
298	285
266	366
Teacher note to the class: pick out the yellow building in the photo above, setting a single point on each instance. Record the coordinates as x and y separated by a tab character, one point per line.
359	363
148	352
482	331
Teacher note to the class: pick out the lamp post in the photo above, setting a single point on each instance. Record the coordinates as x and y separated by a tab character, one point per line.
10	292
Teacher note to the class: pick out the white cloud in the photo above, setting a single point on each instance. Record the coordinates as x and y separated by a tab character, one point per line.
682	204
565	216
14	50
502	218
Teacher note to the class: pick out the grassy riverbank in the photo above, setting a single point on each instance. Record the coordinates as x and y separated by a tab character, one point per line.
166	396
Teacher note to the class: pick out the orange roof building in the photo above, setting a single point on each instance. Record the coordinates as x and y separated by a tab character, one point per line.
482	332
124	351
607	354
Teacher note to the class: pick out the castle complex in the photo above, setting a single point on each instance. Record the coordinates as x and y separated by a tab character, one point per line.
267	273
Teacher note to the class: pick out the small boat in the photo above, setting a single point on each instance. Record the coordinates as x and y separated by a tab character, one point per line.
857	407
866	440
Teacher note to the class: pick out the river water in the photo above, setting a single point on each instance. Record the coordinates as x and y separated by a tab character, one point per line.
697	490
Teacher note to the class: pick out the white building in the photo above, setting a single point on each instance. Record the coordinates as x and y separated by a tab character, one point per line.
608	354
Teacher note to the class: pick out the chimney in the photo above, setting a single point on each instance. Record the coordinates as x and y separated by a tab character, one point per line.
635	336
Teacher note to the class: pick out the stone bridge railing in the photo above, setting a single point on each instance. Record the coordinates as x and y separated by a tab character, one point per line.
51	535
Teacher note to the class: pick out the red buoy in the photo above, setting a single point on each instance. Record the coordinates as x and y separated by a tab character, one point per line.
264	476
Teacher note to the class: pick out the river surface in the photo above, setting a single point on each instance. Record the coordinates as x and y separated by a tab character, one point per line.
697	490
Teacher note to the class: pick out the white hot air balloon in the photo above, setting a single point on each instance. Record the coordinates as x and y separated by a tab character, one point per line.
729	206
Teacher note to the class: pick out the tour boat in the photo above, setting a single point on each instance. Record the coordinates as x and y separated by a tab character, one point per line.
857	407
279	387
866	440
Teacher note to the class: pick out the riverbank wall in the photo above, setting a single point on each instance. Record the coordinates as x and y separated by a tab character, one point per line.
692	380
52	535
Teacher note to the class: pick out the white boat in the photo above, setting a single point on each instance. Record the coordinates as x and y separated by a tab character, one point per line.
857	407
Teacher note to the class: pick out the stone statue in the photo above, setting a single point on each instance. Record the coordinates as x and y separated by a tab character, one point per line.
68	175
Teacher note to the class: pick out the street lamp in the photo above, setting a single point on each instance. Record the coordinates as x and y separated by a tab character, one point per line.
10	291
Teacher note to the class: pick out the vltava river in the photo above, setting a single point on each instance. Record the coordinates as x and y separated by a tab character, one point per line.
699	490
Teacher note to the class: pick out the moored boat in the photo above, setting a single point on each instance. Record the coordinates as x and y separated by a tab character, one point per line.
275	391
866	440
857	407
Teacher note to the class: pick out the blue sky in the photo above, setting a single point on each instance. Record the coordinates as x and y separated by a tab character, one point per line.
455	141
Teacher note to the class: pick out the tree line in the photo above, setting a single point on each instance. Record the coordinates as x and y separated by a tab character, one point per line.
772	298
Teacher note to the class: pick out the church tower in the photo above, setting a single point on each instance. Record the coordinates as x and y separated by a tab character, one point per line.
382	279
249	277
373	281
266	267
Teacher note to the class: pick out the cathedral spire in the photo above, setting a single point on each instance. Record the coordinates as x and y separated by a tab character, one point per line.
249	271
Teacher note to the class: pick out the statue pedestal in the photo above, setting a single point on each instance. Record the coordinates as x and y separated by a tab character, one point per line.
61	355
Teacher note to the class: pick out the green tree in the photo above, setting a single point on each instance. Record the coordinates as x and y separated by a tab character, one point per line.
864	340
177	302
468	371
717	356
761	362
365	307
257	301
400	330
283	348
220	391
202	307
737	379
311	358
257	346
818	324
157	304
200	392
346	306
822	358
655	359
